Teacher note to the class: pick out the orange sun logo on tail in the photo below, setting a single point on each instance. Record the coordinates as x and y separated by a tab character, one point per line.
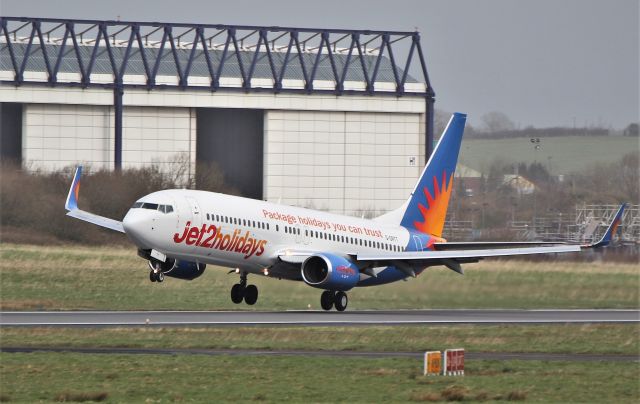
434	215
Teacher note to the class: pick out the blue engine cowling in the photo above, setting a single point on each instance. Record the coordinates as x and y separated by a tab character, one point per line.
185	270
330	272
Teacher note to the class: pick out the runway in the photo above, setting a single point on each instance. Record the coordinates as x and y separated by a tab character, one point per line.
316	318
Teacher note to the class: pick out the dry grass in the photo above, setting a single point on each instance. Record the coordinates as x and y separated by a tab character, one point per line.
517	395
382	372
81	397
426	397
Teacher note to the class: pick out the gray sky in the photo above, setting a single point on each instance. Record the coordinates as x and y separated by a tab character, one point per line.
542	62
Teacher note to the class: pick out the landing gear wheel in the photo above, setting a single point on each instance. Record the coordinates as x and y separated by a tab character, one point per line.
251	295
237	293
341	301
160	277
152	276
326	300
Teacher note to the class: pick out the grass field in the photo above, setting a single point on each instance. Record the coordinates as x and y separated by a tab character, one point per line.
569	338
561	155
148	378
71	277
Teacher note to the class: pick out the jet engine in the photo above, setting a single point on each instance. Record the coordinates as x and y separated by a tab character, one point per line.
182	269
330	272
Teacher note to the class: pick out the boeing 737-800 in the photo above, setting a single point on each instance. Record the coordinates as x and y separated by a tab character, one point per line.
180	231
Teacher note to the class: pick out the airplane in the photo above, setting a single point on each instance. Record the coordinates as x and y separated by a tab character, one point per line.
180	231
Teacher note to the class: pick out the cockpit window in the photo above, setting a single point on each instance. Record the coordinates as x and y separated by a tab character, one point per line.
153	206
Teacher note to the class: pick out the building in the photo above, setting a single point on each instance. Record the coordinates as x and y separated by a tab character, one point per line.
329	119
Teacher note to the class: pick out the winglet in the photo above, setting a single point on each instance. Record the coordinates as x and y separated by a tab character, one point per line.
611	230
72	198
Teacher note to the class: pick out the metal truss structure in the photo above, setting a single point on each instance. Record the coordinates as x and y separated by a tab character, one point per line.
150	55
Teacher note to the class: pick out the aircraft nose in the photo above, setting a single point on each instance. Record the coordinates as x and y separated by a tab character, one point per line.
134	224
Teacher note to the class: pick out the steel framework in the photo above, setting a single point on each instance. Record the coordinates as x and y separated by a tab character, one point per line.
263	58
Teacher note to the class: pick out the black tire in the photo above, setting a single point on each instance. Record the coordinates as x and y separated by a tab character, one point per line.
237	293
152	276
160	277
251	295
326	300
341	301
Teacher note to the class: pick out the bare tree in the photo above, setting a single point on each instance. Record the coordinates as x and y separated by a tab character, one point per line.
497	121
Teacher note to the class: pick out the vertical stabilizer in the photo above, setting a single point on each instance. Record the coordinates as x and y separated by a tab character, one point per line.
427	207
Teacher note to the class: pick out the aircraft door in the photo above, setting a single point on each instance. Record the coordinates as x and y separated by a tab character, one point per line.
196	218
299	235
306	235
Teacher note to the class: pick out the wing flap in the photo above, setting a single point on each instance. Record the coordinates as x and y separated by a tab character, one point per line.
476	245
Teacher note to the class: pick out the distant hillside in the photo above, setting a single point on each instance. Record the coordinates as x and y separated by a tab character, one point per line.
559	154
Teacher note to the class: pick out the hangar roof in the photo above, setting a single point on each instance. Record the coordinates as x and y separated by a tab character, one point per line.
87	52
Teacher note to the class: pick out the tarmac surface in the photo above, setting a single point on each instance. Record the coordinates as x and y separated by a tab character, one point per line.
316	318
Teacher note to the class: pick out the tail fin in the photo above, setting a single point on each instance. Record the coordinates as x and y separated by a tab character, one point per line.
611	230
72	197
427	206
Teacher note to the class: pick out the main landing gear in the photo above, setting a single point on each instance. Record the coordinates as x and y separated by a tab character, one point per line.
329	299
242	291
155	274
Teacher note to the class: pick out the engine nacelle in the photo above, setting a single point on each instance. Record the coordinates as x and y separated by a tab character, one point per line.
330	272
182	269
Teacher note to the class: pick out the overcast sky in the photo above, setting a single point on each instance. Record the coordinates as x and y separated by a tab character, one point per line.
542	62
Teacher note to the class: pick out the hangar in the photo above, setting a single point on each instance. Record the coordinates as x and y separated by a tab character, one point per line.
329	119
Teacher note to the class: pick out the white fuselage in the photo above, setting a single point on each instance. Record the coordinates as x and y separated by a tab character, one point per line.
247	234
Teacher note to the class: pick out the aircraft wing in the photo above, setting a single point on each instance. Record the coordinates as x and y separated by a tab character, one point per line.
424	257
97	220
71	205
459	254
465	245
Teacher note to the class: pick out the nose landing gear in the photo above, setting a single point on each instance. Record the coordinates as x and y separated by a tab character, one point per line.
241	291
329	299
155	274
